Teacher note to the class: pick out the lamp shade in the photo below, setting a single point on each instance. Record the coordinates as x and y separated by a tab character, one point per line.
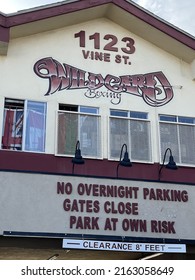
78	158
171	164
126	161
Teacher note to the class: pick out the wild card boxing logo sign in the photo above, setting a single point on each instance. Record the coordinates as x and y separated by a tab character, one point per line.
154	88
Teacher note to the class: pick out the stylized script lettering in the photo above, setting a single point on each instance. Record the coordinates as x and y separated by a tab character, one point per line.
154	88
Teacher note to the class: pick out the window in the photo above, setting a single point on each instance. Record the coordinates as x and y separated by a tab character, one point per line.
133	129
79	123
24	125
178	134
35	126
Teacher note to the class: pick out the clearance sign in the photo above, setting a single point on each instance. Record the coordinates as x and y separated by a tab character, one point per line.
52	204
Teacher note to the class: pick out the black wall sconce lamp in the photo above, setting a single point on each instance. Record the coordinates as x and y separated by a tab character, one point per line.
77	159
170	165
125	161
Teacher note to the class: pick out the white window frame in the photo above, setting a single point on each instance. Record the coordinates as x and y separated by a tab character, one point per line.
129	119
177	123
24	125
79	113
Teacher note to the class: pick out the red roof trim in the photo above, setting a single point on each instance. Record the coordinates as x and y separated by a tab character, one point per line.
4	34
52	11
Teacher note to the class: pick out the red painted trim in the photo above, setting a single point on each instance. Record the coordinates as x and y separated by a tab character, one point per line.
4	34
66	8
47	163
3	18
52	11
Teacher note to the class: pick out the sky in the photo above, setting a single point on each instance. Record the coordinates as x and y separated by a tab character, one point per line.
177	12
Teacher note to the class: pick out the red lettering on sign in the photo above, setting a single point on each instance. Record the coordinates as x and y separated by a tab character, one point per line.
64	76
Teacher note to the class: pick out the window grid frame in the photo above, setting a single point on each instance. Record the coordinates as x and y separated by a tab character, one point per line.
78	113
178	124
24	129
129	119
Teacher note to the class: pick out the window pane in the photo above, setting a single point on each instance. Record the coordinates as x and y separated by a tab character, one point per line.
35	126
66	107
186	120
138	115
82	127
118	113
90	136
169	139
168	118
187	144
89	110
118	136
140	140
13	124
67	133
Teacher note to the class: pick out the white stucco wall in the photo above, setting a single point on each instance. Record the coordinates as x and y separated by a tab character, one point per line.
18	80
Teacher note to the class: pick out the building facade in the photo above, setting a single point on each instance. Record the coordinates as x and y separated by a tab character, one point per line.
102	78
